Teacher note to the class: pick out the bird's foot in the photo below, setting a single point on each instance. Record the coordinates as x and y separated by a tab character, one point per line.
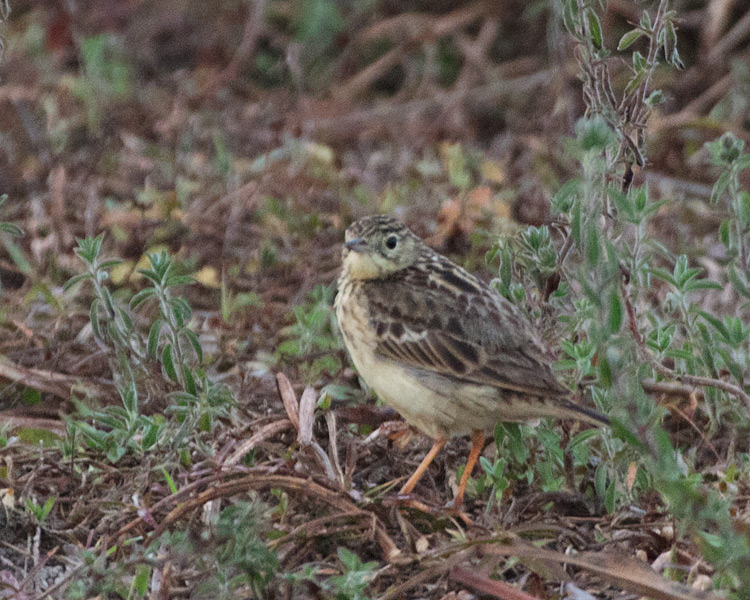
408	501
402	500
455	508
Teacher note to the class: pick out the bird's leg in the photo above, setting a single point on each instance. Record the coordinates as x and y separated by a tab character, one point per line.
477	443
417	475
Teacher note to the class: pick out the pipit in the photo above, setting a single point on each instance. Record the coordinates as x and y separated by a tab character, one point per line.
440	346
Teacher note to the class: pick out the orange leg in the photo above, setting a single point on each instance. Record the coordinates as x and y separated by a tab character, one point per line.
417	475
477	443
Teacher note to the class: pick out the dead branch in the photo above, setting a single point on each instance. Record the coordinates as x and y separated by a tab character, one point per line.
57	384
292	484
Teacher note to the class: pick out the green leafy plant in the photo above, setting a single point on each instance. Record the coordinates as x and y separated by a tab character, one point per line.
39	512
12	230
312	339
112	324
626	115
170	338
352	584
199	401
729	154
116	431
106	77
234	555
234	303
598	275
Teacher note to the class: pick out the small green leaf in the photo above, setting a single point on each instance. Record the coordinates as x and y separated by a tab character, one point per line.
126	320
167	360
734	368
615	312
12	229
600	480
75	279
94	317
743	208
609	498
646	22
663	274
721	184
187	376
109	303
150	275
204	422
154	335
595	27
594	133
178	317
630	38
108	264
115	453
639	62
142	577
170	482
716	324
34	436
724	233
151	436
576	222
499	435
180	280
582	437
605	372
635	81
95	245
738	284
181	310
656	97
565	196
701	284
619	430
570	15
130	398
141	297
622	201
193	340
17	256
47	508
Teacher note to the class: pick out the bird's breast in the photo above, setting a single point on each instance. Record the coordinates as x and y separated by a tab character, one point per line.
353	315
430	408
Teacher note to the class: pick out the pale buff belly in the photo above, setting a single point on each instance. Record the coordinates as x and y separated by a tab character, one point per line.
433	404
438	406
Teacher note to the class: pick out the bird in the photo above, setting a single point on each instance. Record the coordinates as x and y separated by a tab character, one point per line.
439	345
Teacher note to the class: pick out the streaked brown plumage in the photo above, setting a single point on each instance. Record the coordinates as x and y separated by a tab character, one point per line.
438	344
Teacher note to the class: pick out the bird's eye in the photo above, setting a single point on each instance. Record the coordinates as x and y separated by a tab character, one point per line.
391	242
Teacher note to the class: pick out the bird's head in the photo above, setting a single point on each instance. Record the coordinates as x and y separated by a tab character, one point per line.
378	246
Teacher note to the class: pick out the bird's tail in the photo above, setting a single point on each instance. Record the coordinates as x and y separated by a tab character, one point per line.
524	408
583	413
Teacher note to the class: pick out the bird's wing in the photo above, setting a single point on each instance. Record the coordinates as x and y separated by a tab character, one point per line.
444	320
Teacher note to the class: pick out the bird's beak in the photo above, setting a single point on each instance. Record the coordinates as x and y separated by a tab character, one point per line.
356	245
